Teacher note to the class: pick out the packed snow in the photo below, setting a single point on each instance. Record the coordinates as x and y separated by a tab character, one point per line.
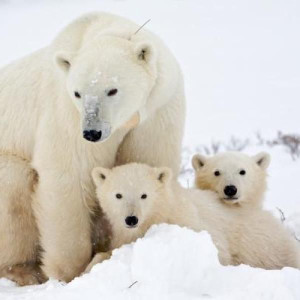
170	262
241	63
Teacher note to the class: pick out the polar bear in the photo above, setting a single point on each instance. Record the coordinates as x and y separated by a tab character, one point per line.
238	179
135	196
104	92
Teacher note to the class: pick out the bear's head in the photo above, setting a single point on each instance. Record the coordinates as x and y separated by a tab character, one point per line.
131	195
236	177
109	80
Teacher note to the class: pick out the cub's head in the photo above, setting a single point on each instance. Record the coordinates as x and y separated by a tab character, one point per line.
236	177
108	80
129	194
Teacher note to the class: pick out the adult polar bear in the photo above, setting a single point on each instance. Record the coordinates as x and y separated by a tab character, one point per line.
64	109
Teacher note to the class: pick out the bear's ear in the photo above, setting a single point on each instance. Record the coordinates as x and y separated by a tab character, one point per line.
198	161
63	60
145	52
99	175
164	175
262	159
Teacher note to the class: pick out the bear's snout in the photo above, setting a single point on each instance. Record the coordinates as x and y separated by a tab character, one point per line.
92	135
131	221
230	191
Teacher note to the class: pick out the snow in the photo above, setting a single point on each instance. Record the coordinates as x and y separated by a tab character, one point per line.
241	64
147	270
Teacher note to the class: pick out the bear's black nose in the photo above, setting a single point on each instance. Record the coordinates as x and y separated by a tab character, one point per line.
230	190
131	221
92	135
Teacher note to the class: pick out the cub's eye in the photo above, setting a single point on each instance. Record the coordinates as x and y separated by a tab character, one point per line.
242	172
217	173
112	92
144	196
77	95
119	196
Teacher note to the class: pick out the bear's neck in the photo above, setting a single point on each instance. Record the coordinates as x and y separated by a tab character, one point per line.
122	235
166	210
253	202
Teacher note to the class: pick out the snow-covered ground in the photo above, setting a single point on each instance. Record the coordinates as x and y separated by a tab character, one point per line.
241	64
168	263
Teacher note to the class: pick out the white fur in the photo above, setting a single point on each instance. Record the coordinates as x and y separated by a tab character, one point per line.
166	202
42	121
250	186
256	238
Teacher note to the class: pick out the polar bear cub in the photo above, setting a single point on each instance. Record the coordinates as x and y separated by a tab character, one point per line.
237	178
135	196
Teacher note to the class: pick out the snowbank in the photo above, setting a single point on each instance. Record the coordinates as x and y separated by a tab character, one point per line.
168	263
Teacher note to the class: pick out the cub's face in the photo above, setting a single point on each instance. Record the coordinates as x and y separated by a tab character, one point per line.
236	177
129	194
109	81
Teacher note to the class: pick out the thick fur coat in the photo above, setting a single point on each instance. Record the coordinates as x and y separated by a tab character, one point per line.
149	196
72	106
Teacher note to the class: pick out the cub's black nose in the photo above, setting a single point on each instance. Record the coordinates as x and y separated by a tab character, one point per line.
230	190
131	221
92	135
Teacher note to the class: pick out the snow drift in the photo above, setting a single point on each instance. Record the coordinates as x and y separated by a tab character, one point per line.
170	262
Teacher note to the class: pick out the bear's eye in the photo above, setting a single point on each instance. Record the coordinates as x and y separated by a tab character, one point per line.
112	92
119	196
217	173
144	196
77	95
242	172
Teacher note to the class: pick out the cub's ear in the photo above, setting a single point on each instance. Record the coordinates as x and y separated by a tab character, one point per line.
145	52
63	60
198	161
164	175
99	175
262	159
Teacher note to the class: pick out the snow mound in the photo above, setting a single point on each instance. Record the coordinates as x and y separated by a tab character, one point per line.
170	262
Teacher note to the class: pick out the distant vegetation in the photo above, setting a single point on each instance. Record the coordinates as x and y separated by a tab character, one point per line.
289	142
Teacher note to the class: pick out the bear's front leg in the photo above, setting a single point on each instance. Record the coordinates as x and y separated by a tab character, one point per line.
97	259
64	225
